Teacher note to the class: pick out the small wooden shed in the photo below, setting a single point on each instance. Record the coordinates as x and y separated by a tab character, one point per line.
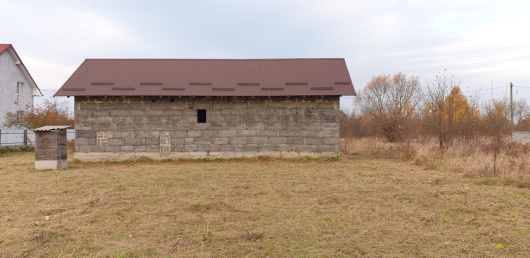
50	147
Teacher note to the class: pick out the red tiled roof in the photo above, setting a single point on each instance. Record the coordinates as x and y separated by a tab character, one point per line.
209	77
5	47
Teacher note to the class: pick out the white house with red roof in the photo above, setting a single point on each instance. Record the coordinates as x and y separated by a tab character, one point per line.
17	88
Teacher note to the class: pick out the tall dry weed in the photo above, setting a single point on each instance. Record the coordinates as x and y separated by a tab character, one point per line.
472	157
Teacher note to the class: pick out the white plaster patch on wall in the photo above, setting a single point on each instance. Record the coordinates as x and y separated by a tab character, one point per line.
101	138
165	141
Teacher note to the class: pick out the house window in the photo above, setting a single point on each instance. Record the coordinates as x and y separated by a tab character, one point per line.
201	115
20	88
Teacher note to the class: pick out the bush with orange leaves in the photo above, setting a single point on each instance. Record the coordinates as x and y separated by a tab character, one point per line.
51	112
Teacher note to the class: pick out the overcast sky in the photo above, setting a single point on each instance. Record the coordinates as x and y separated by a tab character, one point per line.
486	44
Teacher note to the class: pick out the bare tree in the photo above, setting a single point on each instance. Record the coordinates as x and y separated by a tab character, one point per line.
447	113
390	102
497	125
521	115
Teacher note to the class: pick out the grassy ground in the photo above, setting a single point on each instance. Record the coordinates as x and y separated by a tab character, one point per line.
356	206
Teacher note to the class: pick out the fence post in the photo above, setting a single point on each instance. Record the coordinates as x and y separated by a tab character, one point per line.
0	137
25	137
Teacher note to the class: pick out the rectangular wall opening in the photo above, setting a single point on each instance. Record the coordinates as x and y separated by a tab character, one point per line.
201	115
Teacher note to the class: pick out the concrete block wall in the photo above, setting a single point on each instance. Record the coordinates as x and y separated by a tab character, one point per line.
233	125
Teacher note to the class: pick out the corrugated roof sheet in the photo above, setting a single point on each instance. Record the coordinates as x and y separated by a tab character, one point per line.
209	77
51	128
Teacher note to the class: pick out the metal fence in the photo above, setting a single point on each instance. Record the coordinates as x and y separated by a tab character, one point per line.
24	137
521	136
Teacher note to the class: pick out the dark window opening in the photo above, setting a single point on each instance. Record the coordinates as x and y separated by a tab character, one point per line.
153	100
201	115
171	100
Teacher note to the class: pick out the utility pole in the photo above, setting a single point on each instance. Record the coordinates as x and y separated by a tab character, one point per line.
511	103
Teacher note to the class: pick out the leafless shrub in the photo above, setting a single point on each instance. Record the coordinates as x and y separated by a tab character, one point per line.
390	102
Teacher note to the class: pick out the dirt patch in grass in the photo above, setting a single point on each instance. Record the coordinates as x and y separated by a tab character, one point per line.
347	207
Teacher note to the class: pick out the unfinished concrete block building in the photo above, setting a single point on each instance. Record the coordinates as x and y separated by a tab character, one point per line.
179	108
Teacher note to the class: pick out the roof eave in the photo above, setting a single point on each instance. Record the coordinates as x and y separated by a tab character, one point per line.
24	70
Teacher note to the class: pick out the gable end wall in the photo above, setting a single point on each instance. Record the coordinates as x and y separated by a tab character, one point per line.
10	74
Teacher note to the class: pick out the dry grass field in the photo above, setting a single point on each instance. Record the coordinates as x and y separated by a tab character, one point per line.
355	206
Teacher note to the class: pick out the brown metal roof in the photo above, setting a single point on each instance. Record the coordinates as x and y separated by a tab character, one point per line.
209	77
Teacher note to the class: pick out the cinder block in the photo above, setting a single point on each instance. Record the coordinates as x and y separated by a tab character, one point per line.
238	148
307	148
132	141
177	148
250	147
226	147
288	133
126	148
245	133
268	133
327	133
189	141
257	140
89	106
325	148
179	134
177	140
151	141
83	148
330	141
139	148
159	105
123	134
295	140
203	141
139	112
121	106
194	134
85	134
119	113
85	141
314	140
138	106
152	148
107	106
113	148
276	140
115	142
256	126
220	141
152	112
239	140
191	148
228	133
209	133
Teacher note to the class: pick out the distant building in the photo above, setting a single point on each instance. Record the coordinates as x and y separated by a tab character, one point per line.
17	88
178	108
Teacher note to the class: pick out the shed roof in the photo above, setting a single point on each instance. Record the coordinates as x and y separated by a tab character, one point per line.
209	77
51	128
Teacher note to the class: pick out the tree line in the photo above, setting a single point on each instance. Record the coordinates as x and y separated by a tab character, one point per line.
399	107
